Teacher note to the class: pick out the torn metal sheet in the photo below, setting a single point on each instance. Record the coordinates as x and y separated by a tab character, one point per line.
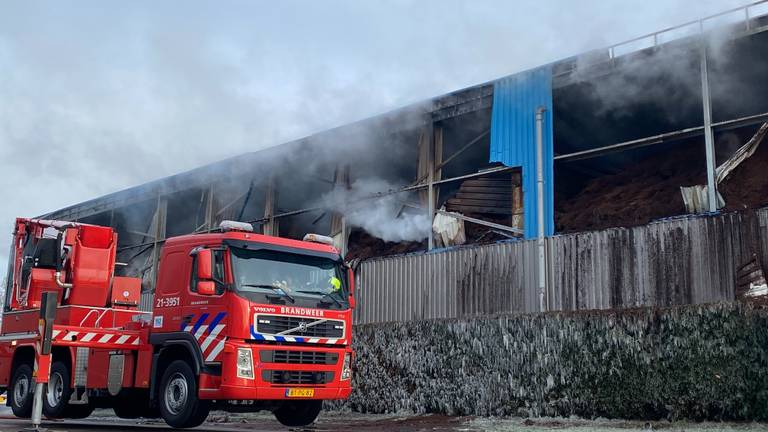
695	197
742	154
449	230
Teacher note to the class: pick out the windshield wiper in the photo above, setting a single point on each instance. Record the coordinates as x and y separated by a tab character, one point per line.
275	288
324	296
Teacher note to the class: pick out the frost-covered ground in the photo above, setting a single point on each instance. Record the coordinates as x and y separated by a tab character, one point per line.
336	421
514	425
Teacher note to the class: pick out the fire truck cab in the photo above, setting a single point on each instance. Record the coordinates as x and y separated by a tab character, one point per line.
240	322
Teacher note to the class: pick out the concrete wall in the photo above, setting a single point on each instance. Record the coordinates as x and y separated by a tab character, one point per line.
673	262
697	362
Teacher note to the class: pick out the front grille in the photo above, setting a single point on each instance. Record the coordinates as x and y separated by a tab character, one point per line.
299	357
296	377
274	324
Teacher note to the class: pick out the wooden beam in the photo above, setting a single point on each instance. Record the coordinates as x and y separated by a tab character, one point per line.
482	222
480	210
494	195
479	202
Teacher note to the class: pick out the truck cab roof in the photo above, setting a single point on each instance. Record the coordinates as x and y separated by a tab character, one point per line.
217	238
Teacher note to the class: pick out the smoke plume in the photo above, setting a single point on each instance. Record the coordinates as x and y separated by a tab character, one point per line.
106	98
370	205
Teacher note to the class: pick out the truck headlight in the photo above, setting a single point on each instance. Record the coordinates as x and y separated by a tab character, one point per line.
346	368
244	363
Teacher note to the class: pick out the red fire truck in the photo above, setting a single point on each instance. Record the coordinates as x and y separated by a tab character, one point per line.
240	322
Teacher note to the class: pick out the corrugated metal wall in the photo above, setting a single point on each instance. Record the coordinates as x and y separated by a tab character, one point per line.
691	260
147	300
762	221
513	137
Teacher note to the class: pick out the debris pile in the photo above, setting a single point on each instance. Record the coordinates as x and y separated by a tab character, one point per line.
363	245
647	190
650	189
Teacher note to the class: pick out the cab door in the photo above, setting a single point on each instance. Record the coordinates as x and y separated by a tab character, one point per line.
166	315
205	316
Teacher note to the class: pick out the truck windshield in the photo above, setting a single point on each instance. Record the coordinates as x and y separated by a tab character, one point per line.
268	276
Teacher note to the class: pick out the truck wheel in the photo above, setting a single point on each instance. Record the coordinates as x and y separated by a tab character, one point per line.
22	387
180	406
298	413
57	391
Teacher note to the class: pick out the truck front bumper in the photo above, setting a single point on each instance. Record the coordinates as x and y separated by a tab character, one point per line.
231	392
229	386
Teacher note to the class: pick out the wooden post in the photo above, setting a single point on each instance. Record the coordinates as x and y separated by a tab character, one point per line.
159	235
271	225
209	214
339	229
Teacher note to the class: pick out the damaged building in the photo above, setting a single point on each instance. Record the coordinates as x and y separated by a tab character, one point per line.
665	125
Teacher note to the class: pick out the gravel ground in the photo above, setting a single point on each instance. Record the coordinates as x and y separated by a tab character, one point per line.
335	421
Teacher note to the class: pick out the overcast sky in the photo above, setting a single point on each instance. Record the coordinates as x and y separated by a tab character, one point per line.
100	96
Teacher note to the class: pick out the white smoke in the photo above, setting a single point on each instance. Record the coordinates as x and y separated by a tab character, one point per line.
370	204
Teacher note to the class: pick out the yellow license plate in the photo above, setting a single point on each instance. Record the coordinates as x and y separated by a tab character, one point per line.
299	393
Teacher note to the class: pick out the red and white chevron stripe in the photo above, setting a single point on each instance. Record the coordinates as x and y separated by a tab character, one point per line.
327	341
210	343
107	338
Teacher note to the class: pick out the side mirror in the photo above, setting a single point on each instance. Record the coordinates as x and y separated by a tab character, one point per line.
207	288
204	265
351	279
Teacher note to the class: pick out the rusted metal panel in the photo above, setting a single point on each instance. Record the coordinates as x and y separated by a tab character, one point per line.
672	262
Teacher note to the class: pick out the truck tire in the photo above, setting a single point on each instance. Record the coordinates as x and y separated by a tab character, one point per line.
20	393
57	391
298	413
179	403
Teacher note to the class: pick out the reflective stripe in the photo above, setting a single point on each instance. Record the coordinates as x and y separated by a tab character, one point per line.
105	338
122	339
216	351
70	335
200	331
313	340
332	341
216	320
88	337
200	322
212	336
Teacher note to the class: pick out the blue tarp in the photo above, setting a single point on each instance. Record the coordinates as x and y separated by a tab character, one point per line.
513	138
